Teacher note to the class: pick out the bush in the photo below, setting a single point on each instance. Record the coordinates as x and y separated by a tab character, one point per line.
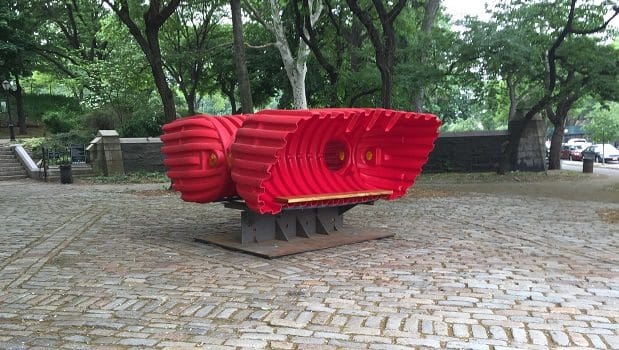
38	105
33	145
143	123
59	121
69	138
101	119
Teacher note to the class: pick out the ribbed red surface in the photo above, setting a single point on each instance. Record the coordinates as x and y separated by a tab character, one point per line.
293	153
196	155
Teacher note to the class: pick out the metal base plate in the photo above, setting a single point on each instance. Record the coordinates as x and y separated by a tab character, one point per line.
278	248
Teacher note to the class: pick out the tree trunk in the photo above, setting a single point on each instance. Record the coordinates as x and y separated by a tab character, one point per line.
240	62
232	100
554	160
298	89
356	41
154	18
385	90
295	67
190	99
156	65
19	104
382	41
513	99
429	16
509	159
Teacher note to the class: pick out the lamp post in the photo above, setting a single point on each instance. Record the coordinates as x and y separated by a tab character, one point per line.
7	88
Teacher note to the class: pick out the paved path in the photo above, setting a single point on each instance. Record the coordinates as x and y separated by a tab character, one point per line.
116	267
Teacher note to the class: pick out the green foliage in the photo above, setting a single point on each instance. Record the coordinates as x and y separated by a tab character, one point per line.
65	139
264	66
16	40
461	124
60	141
83	52
215	104
145	122
191	40
33	145
604	123
99	119
38	104
59	121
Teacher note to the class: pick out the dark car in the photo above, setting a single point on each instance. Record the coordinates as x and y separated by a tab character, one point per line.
599	152
572	152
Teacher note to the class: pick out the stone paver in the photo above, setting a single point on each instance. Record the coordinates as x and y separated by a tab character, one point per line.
117	267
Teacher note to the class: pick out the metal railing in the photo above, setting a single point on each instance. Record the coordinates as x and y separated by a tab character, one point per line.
74	155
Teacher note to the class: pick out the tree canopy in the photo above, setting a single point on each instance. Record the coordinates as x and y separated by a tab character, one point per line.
129	63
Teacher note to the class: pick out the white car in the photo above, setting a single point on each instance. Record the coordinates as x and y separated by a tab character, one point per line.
606	152
582	142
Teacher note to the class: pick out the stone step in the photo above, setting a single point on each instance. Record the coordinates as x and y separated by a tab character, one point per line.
11	167
9	162
12	177
12	173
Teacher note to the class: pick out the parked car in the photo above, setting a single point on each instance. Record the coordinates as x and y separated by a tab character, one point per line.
575	141
572	152
606	152
582	142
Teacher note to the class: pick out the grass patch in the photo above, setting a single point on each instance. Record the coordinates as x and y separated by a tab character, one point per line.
491	177
131	178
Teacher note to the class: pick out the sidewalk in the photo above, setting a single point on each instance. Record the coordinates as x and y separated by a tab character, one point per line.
116	267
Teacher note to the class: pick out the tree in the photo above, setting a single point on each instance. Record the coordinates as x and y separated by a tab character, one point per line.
122	83
188	39
240	62
269	15
587	68
16	55
500	50
604	123
430	11
383	40
147	36
546	26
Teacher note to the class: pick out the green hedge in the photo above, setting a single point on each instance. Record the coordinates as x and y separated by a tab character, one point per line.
38	105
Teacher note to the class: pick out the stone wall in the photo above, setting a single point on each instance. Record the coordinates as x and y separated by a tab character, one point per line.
142	154
532	150
482	150
453	152
466	152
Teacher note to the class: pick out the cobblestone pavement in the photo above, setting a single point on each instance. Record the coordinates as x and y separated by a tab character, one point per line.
116	267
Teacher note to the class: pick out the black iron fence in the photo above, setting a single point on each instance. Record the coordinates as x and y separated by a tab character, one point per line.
74	154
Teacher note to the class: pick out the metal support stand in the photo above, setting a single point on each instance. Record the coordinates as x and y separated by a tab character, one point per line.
292	231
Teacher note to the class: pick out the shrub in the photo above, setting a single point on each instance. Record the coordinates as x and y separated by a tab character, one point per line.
143	123
101	119
59	121
69	138
38	105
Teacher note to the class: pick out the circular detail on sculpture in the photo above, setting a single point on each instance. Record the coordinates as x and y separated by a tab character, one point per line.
335	155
